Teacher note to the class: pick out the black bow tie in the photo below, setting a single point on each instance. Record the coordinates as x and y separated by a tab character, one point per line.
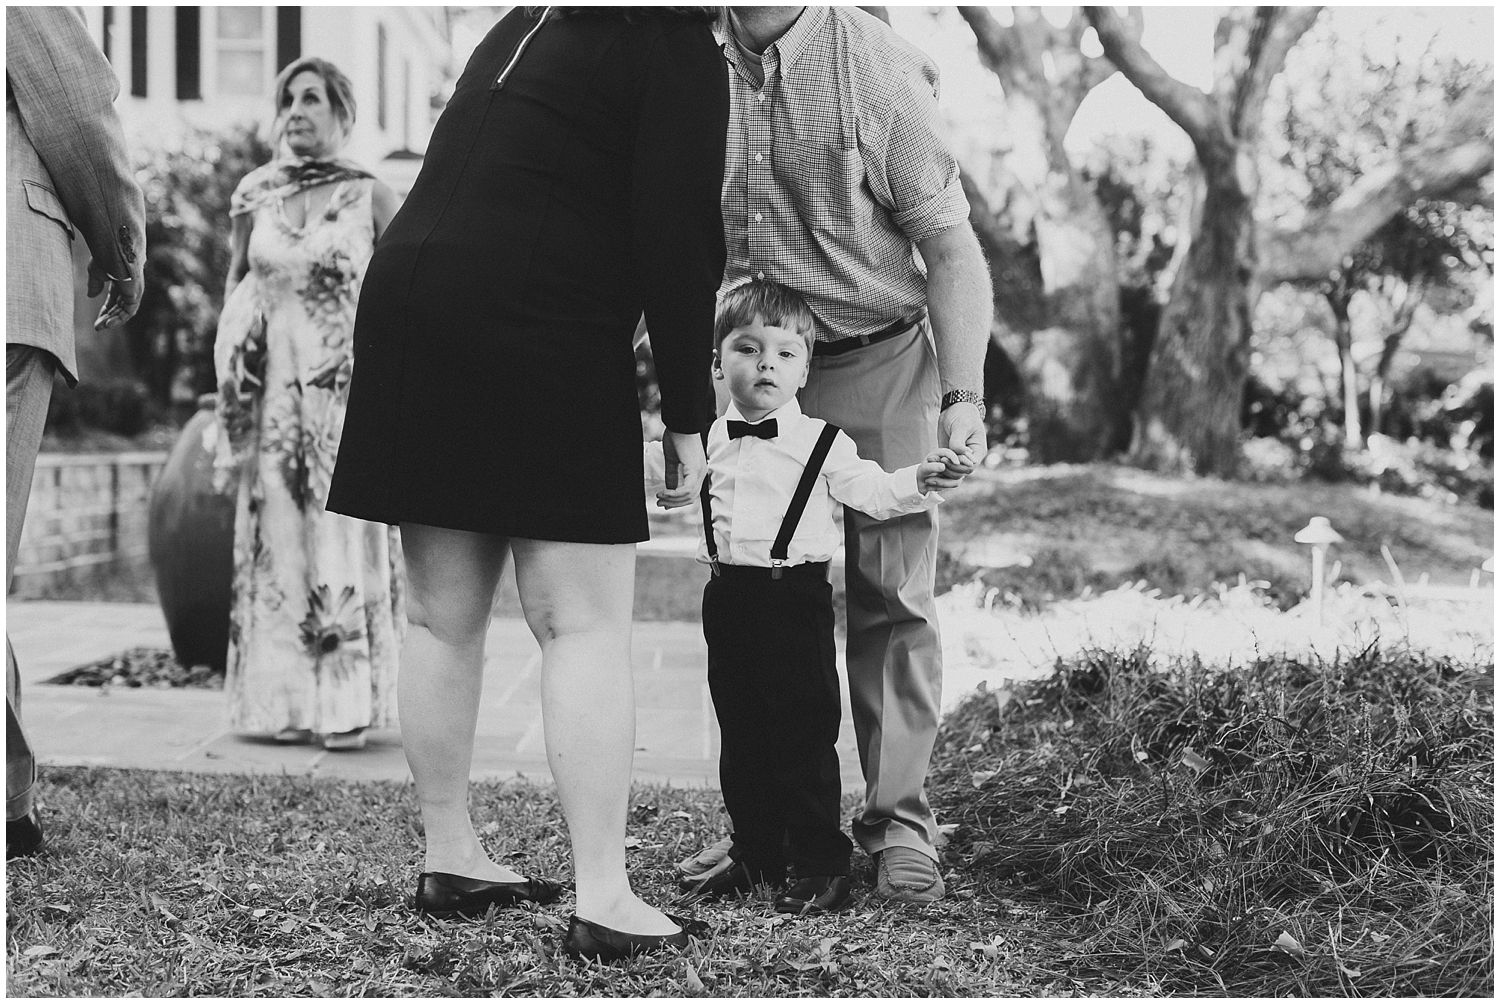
760	430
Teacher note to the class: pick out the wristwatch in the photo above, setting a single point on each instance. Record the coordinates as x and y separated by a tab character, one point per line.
956	396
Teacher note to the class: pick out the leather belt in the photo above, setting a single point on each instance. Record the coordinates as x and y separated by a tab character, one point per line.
842	345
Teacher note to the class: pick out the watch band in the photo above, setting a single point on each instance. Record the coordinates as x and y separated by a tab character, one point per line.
956	396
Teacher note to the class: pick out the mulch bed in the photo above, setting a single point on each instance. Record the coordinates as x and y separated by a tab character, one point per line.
141	667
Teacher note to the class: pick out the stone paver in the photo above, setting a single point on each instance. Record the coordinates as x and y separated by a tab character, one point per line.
184	729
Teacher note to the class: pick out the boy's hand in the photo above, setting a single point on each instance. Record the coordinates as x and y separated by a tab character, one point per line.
943	468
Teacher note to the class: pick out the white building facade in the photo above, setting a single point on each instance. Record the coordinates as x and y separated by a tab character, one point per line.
213	66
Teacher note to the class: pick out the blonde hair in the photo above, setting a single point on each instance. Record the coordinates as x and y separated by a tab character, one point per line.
340	92
772	302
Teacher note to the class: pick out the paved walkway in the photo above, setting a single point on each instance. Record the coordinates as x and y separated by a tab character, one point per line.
185	729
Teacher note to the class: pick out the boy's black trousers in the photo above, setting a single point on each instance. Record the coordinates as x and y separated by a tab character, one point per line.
775	689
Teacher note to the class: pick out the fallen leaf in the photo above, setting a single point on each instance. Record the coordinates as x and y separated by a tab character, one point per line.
690	977
1348	971
1190	758
1289	944
39	950
1379	938
1176	945
979	777
1142	756
632	841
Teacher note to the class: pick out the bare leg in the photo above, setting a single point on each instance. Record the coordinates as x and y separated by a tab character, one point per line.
578	600
453	575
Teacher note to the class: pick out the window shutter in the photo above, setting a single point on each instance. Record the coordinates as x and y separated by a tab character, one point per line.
288	36
189	53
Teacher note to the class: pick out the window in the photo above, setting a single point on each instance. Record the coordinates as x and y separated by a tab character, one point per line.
240	67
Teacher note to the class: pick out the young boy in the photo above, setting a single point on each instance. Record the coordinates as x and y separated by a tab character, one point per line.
775	480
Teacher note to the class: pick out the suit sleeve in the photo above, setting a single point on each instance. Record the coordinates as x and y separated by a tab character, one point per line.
678	230
64	91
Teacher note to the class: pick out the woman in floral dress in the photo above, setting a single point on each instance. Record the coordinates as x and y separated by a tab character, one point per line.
317	618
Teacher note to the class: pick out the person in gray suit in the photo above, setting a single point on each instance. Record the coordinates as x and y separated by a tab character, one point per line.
67	174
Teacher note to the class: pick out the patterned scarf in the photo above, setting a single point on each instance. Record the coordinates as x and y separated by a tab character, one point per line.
284	178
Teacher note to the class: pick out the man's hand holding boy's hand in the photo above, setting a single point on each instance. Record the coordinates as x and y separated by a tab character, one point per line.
943	468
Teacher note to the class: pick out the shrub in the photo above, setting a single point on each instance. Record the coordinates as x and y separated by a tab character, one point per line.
187	189
120	406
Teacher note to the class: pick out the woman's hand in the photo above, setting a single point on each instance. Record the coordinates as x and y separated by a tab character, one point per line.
686	464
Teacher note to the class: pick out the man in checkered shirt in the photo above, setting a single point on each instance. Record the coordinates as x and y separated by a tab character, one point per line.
835	174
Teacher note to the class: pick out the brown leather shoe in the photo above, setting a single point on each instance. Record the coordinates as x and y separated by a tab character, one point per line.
816	894
907	876
733	882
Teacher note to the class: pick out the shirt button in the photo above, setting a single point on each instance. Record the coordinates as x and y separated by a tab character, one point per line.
757	158
760	275
757	217
760	96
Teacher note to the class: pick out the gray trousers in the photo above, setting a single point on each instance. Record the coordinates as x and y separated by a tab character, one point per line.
28	389
886	397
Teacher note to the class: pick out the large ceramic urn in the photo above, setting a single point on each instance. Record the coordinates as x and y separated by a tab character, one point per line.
190	538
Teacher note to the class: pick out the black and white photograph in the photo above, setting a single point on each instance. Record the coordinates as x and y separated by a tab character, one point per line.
666	501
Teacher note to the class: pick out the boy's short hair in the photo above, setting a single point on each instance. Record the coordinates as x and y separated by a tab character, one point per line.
773	303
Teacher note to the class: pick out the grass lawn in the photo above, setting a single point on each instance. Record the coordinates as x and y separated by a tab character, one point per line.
1121	827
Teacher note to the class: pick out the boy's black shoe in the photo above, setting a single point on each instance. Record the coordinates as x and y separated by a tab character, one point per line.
23	837
816	894
735	881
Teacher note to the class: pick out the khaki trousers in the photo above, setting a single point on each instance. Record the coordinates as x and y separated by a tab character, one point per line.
28	389
886	397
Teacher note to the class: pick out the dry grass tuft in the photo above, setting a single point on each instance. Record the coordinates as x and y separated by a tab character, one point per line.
1286	827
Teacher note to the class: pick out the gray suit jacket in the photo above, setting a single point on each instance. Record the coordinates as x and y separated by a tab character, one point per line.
67	174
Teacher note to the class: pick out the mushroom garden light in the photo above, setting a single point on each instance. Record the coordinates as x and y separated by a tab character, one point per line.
1318	534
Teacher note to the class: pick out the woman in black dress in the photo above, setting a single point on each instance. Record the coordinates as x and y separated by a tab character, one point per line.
571	184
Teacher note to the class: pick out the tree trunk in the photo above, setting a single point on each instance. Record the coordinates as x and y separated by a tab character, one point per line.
1189	415
1343	338
1051	250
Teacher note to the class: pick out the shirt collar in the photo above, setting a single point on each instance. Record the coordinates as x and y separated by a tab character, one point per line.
787	413
788	47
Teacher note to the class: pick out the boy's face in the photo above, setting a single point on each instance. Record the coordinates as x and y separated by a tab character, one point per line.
763	365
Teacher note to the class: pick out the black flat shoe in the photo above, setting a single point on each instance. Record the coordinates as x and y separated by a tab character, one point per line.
735	881
440	894
816	894
588	940
23	837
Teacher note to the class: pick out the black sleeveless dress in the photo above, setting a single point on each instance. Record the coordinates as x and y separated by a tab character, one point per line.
494	385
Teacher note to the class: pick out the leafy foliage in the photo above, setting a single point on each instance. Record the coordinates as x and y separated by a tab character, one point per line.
187	188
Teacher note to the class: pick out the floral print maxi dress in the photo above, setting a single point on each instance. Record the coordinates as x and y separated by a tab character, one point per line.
318	611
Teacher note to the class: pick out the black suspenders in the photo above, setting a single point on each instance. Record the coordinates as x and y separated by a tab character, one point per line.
794	510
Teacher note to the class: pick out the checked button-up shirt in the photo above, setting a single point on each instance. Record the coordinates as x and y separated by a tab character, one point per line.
835	167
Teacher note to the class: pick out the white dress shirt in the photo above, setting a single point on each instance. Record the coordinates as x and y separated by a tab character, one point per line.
752	482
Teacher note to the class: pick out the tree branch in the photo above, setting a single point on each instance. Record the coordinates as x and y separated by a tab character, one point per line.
1190	108
1286	26
1461	155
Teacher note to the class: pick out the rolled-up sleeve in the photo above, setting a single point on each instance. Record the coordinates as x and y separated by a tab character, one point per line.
918	175
679	231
